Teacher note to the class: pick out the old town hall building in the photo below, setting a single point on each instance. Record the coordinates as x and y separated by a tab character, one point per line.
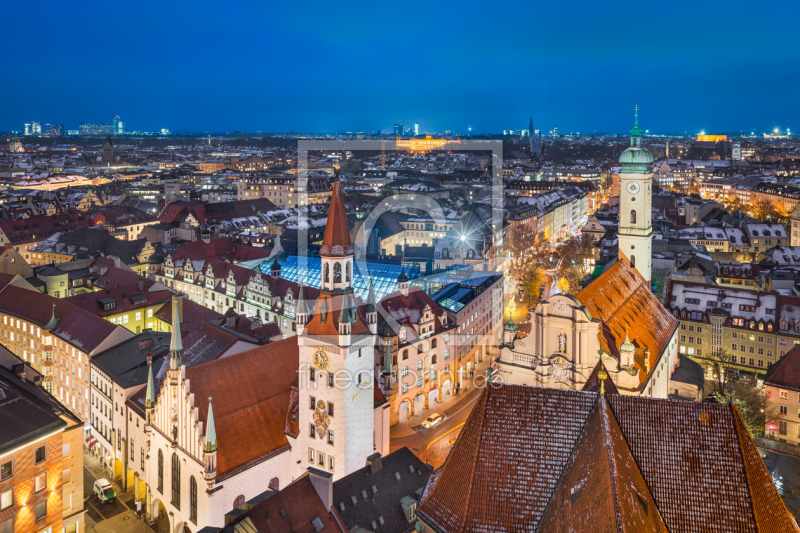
205	437
616	318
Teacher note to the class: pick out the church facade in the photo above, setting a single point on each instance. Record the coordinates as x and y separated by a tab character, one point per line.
616	318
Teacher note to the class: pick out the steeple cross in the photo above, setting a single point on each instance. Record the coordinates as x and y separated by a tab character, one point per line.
636	109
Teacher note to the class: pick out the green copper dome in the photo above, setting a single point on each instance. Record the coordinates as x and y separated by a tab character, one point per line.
636	160
510	325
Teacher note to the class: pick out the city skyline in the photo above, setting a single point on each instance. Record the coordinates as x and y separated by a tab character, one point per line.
362	70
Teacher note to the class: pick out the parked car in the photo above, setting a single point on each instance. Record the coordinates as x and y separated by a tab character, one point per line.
432	420
103	491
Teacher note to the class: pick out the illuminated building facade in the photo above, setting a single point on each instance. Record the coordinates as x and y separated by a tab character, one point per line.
41	458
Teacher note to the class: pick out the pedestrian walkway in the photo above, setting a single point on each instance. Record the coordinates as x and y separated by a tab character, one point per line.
777	446
448	406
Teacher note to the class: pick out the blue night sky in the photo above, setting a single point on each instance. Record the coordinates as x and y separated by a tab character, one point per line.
323	66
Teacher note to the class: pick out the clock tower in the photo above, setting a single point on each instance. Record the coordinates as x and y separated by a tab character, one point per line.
336	374
635	201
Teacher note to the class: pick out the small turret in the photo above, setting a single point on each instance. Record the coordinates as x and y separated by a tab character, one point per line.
387	368
402	281
210	448
509	331
301	312
175	343
626	351
275	268
150	397
372	311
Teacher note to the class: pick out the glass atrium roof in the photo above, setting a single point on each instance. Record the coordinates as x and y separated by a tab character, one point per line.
296	268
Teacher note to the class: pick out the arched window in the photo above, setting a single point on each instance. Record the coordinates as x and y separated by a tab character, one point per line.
160	472
327	273
633	261
633	216
193	500
275	484
348	273
433	359
337	272
433	343
238	503
176	481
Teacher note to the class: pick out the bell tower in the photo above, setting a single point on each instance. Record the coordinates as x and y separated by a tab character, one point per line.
635	203
336	352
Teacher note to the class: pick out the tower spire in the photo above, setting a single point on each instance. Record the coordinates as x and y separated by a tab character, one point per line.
150	398
175	343
211	431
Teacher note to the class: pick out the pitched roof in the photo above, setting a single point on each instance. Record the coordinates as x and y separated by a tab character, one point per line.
622	299
593	383
324	322
385	501
602	486
291	510
523	448
337	231
786	372
81	329
251	392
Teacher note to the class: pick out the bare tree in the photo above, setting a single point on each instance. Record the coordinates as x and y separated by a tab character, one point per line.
526	257
725	372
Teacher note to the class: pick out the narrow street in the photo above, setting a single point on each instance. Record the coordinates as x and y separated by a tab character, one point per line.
432	445
116	517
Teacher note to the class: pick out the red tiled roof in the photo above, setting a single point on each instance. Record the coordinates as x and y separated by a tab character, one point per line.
329	308
786	372
251	396
216	212
622	300
220	248
77	327
505	465
194	315
38	228
337	232
292	510
522	447
601	487
122	298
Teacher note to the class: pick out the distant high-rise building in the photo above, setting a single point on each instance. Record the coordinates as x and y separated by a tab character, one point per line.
399	130
416	129
91	128
736	151
33	128
117	126
54	130
530	127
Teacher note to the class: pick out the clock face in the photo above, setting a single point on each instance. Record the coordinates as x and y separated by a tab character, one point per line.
633	187
321	358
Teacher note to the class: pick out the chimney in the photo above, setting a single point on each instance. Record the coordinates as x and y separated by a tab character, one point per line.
375	463
141	284
149	357
323	484
37	380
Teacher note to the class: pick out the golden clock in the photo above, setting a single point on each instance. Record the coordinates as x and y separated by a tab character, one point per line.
321	358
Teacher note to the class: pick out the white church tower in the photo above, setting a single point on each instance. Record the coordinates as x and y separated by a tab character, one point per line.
635	203
335	380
